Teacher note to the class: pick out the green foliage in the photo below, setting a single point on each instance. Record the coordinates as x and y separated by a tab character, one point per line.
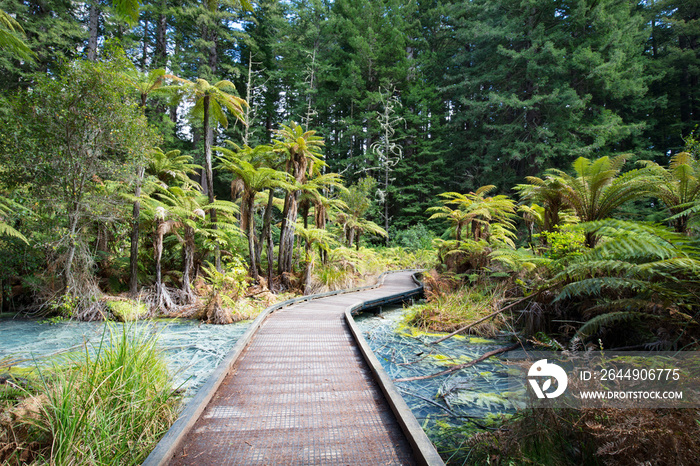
596	190
446	312
10	30
477	214
488	224
519	260
109	404
636	267
212	99
563	243
53	320
6	208
171	167
358	201
481	93
66	138
413	237
678	187
230	284
547	192
126	311
539	83
65	306
592	326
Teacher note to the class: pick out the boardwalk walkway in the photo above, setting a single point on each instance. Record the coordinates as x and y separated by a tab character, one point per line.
303	393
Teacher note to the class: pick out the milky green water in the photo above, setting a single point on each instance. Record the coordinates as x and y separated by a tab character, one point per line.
470	397
192	350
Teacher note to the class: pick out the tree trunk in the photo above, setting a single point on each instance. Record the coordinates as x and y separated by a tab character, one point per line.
188	247
386	197
161	55
72	230
213	53
208	136
134	252
158	250
207	150
144	49
287	234
93	25
307	269
4	300
267	236
251	237
351	237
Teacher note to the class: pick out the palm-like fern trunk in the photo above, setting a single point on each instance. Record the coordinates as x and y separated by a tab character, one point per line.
267	236
251	236
189	263
209	173
158	252
68	269
286	247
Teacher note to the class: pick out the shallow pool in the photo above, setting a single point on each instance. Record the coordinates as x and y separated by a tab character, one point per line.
192	349
472	396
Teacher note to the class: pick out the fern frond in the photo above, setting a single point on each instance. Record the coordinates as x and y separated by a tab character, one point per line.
605	320
519	259
596	286
625	304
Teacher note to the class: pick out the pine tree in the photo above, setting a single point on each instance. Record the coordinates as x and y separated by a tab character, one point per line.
536	84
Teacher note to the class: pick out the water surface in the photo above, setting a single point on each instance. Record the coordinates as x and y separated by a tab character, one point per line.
192	349
473	395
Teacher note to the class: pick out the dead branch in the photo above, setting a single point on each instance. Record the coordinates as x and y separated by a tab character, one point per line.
462	366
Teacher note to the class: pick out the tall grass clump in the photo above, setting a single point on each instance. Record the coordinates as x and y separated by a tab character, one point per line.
446	312
107	406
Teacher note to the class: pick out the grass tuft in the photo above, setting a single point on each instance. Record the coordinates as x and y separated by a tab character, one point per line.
447	312
106	405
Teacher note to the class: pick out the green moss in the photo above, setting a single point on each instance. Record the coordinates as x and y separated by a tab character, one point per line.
414	332
126	311
479	341
53	320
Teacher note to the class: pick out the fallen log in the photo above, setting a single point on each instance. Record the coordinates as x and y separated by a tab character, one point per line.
462	366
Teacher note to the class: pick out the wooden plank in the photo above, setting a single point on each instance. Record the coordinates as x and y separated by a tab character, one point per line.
301	387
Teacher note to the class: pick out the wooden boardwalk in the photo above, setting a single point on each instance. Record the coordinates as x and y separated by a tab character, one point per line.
306	390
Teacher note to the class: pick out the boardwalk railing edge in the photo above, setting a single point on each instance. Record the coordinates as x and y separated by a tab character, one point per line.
423	448
166	447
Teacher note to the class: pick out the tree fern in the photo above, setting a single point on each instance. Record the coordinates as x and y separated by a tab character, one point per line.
10	31
605	320
600	286
598	188
678	187
635	267
519	259
6	207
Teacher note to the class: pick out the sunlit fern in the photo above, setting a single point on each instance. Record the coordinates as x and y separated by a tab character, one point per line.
637	269
6	207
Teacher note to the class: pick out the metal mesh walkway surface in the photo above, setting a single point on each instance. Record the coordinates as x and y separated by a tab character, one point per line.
302	393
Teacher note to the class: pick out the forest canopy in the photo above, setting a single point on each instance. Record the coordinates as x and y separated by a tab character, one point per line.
142	142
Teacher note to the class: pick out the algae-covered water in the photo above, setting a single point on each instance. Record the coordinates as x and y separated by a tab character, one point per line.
465	401
192	349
